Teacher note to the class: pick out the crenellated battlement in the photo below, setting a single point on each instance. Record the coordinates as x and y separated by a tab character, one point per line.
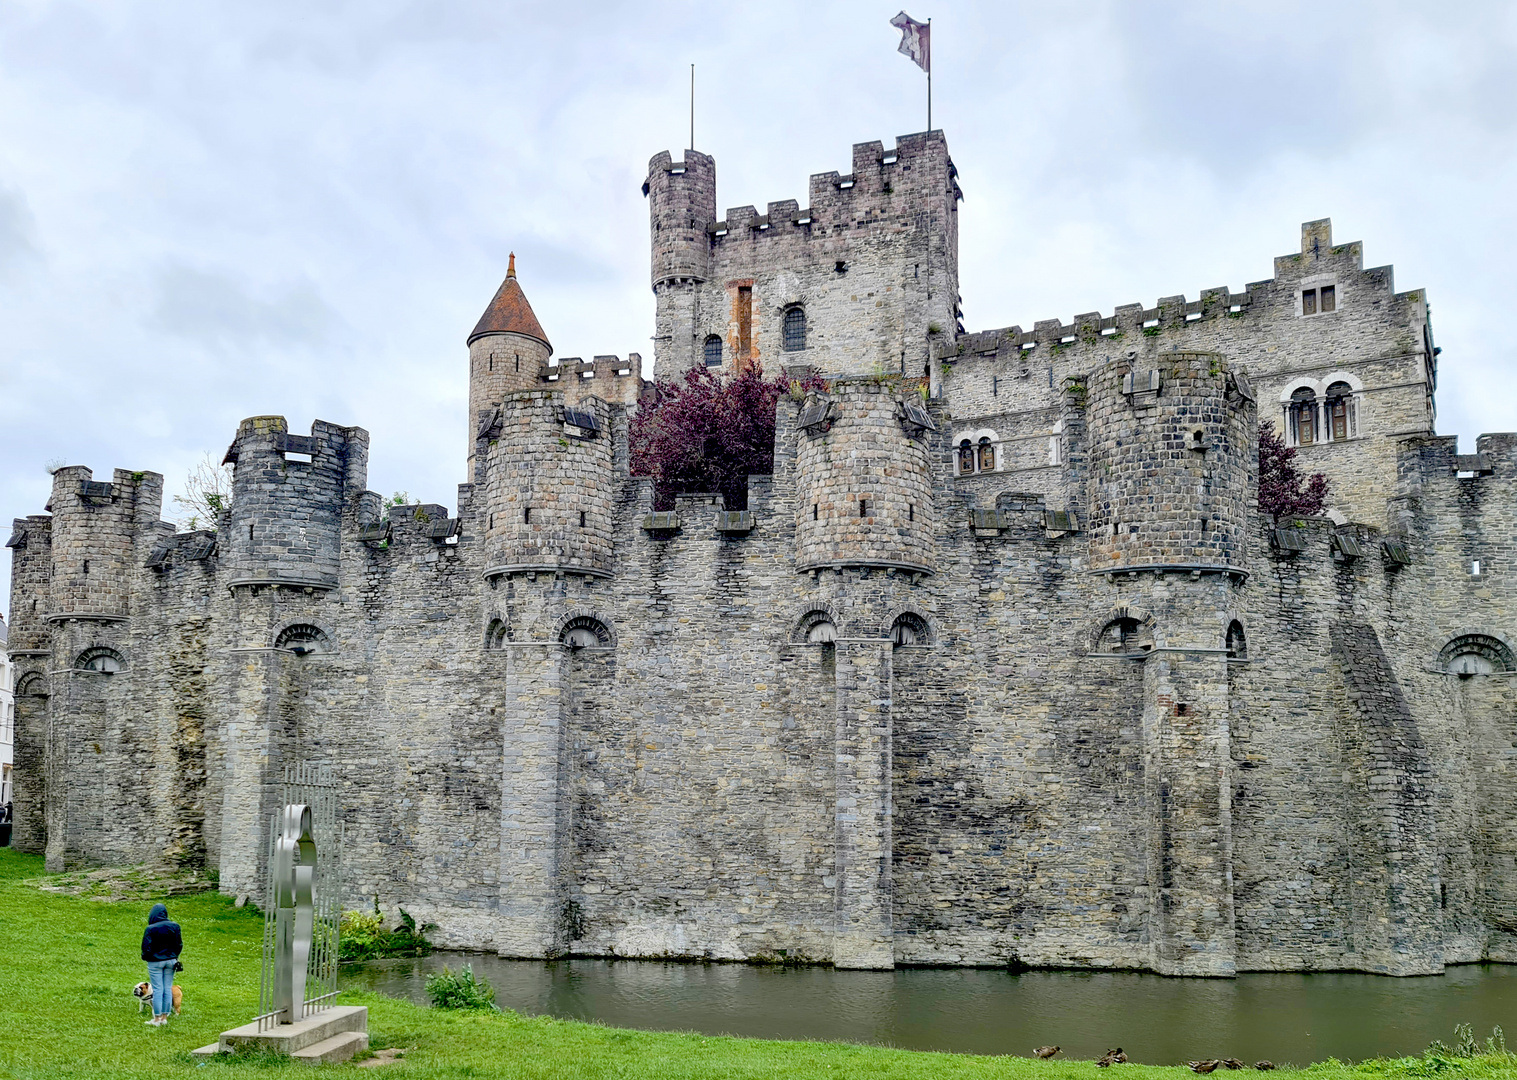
607	377
884	187
1319	262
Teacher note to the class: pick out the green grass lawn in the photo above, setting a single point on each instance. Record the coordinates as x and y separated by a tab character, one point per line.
66	1011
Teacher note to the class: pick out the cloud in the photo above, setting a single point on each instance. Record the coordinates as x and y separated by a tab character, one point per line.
18	231
308	206
217	310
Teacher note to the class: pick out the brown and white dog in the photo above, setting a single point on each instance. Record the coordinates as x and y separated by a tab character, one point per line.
143	992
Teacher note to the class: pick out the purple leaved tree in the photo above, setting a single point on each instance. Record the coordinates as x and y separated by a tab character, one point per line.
705	433
1283	490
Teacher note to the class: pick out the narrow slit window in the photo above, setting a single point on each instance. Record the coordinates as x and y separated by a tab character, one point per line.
863	508
911	511
526	516
744	325
581	519
815	511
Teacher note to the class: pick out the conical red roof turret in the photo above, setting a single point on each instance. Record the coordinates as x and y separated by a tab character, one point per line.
509	312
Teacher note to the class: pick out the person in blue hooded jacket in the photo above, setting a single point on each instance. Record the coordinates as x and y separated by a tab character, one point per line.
161	946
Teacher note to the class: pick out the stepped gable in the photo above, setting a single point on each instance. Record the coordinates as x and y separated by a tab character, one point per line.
509	312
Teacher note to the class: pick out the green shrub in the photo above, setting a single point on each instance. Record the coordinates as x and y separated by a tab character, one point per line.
363	937
460	990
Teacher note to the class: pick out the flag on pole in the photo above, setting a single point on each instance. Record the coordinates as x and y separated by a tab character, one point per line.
916	40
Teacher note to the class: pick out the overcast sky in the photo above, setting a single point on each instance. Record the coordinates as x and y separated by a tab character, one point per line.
211	210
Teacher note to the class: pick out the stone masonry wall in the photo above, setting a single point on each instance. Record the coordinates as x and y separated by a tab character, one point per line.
590	736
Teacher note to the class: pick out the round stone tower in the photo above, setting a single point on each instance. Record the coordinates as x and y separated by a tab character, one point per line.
681	203
288	497
508	351
31	545
1171	444
548	486
94	529
863	481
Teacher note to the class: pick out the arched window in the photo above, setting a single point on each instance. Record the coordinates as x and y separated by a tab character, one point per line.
909	629
822	632
966	457
712	351
102	660
987	454
795	328
32	684
1301	417
303	638
1125	637
816	628
1342	412
583	632
1475	654
496	634
1237	643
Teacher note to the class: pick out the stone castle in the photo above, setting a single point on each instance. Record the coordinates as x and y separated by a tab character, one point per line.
1000	665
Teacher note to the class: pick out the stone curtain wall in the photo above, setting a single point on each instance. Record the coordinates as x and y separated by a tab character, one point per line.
681	783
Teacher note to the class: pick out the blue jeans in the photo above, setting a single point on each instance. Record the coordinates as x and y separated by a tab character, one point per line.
160	976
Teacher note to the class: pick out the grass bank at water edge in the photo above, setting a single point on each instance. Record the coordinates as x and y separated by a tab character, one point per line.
67	965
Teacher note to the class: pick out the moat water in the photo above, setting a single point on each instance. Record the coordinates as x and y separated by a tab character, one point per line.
1284	1018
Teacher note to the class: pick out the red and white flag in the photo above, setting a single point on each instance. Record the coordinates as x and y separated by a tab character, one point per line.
916	40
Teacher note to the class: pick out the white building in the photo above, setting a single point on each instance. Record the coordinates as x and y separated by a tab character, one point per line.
7	717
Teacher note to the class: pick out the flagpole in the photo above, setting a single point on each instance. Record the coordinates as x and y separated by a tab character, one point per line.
929	73
692	107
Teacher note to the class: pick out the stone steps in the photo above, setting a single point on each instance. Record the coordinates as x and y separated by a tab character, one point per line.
342	1027
339	1047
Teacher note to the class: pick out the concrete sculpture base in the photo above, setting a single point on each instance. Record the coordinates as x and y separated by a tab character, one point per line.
326	1038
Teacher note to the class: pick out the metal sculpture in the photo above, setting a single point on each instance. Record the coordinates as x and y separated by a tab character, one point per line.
294	882
302	906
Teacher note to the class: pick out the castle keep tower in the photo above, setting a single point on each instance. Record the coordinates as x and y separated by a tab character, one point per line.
853	281
508	351
864	486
